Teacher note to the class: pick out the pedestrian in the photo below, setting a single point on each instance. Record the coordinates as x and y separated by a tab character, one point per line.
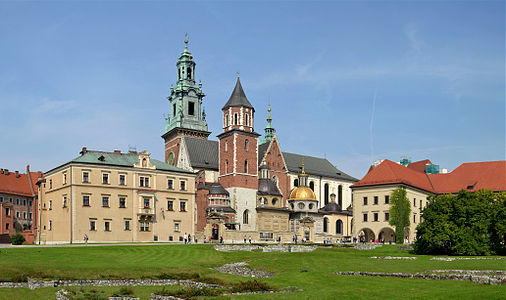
245	239
185	238
221	240
189	238
205	240
295	239
86	240
250	239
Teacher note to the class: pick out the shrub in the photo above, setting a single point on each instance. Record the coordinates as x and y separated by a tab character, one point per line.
189	293
251	286
17	239
124	291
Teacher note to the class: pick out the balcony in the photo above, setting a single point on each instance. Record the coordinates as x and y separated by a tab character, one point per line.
146	211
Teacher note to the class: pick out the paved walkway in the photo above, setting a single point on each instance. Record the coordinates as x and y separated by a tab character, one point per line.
89	245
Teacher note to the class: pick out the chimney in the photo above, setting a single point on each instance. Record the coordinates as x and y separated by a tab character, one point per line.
17	174
83	151
6	172
117	151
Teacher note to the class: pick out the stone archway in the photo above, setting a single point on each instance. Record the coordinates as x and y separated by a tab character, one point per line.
366	235
388	234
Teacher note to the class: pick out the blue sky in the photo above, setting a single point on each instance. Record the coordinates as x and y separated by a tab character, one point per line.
352	81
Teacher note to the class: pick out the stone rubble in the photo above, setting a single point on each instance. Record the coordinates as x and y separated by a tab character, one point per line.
394	257
366	246
466	258
239	268
267	248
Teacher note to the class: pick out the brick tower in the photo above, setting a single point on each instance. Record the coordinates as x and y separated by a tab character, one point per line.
238	156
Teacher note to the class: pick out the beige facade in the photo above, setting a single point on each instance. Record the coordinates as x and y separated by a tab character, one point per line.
371	211
116	203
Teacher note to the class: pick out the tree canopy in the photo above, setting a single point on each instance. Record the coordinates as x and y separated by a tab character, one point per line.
400	210
463	224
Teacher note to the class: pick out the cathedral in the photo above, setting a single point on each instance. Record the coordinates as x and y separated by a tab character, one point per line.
246	186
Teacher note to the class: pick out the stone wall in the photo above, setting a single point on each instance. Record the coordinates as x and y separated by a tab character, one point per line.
36	284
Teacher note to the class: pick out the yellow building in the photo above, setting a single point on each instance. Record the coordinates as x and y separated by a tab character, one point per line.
115	197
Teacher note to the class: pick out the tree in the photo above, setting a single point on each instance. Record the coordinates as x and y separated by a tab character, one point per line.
17	239
463	224
400	210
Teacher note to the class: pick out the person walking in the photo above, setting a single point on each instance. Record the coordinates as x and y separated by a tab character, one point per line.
189	238
185	238
245	239
250	239
86	240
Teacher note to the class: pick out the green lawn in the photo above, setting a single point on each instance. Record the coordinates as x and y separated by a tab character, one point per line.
318	282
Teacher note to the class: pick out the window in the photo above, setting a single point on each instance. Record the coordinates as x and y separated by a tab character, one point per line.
144	226
107	226
295	182
122	180
226	166
10	200
226	146
191	108
301	205
7	211
326	193
144	181
340	195
183	185
387	216
17	214
226	120
176	227
182	205
246	119
105	178
17	201
375	200
64	201
105	201
311	185
29	216
64	178
86	177
420	204
122	202
365	200
127	224
414	202
274	201
387	199
30	203
7	226
170	184
50	227
92	225
246	166
414	218
246	145
146	202
1	199
325	225
50	184
170	204
364	217
245	217
174	105
86	200
24	202
339	227
375	217
235	119
50	204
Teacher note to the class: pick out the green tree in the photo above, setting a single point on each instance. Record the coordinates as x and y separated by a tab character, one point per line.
463	224
17	239
400	210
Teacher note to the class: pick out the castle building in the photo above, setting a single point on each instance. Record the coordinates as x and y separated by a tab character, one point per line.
371	195
236	175
115	197
18	199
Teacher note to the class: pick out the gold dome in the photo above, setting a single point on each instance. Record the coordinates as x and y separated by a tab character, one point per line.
302	193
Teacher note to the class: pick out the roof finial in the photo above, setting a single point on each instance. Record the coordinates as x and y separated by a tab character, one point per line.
186	40
269	103
303	172
237	74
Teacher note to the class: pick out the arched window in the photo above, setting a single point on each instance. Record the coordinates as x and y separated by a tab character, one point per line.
325	224
263	201
179	73
226	146
340	195
311	185
274	201
339	227
189	72
144	162
226	166
246	166
246	119
275	179
226	120
326	193
246	144
245	217
235	119
295	182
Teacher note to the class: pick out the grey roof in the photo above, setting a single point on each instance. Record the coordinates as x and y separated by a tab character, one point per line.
203	153
314	166
214	189
331	207
267	187
238	97
120	159
261	149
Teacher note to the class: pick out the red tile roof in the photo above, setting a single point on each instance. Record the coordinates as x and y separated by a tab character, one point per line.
469	176
419	166
10	183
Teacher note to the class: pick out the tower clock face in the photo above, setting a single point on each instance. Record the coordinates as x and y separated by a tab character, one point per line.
170	159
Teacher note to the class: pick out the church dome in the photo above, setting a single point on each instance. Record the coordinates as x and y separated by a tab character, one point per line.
302	193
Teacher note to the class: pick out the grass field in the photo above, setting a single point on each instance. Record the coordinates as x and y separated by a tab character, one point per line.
318	282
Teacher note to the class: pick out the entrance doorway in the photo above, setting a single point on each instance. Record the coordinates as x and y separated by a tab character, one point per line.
215	234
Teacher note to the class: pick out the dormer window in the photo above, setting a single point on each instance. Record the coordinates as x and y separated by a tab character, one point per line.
144	162
246	119
236	119
189	71
226	120
191	108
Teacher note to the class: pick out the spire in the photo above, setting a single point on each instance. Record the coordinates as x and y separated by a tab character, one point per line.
269	130
302	175
238	97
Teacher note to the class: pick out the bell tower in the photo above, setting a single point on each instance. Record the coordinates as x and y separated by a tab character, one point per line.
186	114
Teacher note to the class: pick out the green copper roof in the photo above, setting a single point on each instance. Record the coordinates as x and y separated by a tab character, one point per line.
121	159
269	130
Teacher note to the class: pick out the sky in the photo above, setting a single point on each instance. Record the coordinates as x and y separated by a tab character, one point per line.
350	81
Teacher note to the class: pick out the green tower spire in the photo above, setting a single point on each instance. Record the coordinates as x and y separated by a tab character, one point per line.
269	130
186	96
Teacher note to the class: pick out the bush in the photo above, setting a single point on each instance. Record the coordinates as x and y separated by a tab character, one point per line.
251	286
17	239
124	291
189	293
